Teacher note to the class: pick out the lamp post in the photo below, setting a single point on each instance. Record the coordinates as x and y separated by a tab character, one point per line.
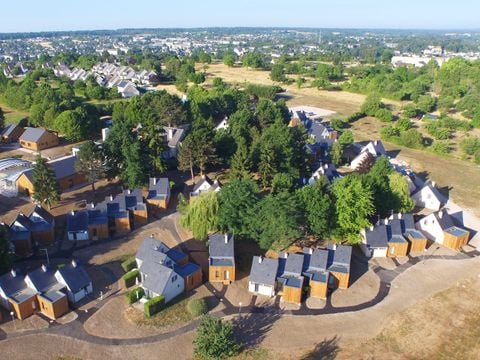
12	314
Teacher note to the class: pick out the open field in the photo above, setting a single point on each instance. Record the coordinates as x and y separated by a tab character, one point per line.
448	329
12	116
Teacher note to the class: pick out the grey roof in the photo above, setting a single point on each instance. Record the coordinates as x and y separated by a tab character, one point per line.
74	276
294	264
394	230
408	222
78	221
157	276
41	219
62	167
219	248
8	130
342	257
213	184
318	260
444	219
315	264
377	237
264	272
158	188
152	250
178	134
53	295
43	278
12	283
32	134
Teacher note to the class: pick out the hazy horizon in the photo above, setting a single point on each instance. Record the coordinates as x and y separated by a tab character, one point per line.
55	15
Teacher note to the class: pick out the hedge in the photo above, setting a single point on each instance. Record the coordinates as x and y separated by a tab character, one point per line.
154	305
132	296
129	278
129	264
197	307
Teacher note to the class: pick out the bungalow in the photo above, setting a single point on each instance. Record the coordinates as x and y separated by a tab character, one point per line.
11	133
339	259
65	173
165	271
439	227
221	258
76	281
20	235
205	185
127	89
429	197
37	139
16	296
315	271
89	224
290	278
158	193
173	137
51	298
417	241
263	276
375	241
397	244
42	226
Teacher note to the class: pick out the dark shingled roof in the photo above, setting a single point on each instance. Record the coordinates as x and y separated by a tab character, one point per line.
62	167
264	272
187	269
152	250
43	278
78	221
377	237
158	189
394	230
8	130
315	264
218	248
408	222
157	276
75	277
12	283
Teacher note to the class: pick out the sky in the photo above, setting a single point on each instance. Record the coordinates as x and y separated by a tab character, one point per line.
53	15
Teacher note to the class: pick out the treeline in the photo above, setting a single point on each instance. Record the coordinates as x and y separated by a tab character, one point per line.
277	218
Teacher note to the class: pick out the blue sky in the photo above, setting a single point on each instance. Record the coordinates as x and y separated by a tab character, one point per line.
36	15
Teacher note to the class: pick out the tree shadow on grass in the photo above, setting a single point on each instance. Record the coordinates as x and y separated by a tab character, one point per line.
251	329
328	349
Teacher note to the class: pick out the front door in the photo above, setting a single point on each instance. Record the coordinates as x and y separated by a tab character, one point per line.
226	275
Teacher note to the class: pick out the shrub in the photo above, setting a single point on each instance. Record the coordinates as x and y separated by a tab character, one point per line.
197	307
130	278
440	147
355	116
403	124
437	132
389	132
411	138
129	264
134	295
154	306
384	115
215	339
470	145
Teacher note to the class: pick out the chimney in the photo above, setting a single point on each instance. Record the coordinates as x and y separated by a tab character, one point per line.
371	227
375	142
440	214
285	255
386	221
13	272
434	184
154	181
92	205
399	216
362	232
129	192
44	268
226	238
111	197
74	263
310	251
325	166
260	259
215	182
72	212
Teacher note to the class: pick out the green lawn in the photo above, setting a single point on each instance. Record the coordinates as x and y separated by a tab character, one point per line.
175	313
12	116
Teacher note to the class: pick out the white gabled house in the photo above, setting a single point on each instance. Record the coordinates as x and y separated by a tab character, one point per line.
263	276
205	185
429	197
76	280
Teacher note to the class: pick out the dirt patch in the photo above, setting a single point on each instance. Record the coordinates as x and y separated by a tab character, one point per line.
443	327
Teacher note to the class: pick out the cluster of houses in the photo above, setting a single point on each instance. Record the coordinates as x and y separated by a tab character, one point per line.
28	231
108	75
118	214
35	139
11	70
45	290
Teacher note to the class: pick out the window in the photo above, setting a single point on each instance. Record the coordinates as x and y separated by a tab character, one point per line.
226	275
217	274
174	278
256	287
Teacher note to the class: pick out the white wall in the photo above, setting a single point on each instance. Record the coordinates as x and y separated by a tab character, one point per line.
426	199
262	289
80	235
431	228
173	289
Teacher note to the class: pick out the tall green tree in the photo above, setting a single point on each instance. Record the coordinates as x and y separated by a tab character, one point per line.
45	185
240	164
215	340
318	208
275	221
399	187
236	201
201	215
353	207
90	162
337	153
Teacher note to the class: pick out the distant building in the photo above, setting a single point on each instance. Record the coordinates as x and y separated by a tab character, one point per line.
37	139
